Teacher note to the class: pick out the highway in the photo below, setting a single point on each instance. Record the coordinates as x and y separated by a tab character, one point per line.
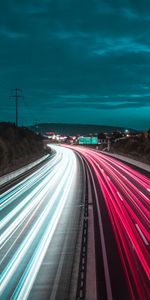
39	228
79	204
122	223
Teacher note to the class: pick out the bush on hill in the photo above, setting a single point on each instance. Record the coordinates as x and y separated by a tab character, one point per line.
135	147
18	146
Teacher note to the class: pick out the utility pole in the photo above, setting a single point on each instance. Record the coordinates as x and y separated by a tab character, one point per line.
17	95
36	125
108	145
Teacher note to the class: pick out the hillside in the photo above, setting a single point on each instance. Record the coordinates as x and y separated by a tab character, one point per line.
136	147
74	129
18	146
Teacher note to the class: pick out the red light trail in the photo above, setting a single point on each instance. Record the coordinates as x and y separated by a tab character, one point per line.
126	194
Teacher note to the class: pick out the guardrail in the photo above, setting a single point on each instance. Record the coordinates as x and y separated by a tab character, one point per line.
12	175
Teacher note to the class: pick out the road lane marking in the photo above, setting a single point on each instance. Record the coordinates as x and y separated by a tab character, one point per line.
120	196
142	235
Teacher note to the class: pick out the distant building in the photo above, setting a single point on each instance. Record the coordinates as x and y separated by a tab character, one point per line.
102	139
50	135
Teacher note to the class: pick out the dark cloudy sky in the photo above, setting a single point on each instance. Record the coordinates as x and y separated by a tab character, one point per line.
77	61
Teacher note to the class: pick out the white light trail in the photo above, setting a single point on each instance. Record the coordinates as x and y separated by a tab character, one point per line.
44	204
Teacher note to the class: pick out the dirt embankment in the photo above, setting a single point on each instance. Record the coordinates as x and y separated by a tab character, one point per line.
18	147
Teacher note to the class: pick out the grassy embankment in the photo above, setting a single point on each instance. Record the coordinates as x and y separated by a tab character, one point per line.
18	147
137	148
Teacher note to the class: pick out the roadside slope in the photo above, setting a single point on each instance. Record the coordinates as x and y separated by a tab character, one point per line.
18	147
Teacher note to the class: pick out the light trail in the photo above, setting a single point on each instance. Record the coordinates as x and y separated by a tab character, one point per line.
25	184
32	209
30	215
126	194
28	203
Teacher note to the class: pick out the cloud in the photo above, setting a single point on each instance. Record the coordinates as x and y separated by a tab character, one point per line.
75	53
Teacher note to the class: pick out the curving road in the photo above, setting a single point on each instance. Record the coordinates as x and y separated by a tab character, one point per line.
41	224
122	201
39	228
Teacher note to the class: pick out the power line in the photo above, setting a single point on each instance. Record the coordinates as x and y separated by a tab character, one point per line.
17	96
